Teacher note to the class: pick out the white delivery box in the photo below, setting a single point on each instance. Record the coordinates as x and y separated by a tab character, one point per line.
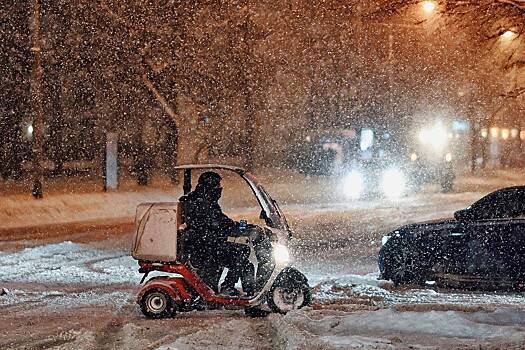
156	232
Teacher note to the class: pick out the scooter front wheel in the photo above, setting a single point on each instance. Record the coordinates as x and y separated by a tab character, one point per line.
157	303
289	293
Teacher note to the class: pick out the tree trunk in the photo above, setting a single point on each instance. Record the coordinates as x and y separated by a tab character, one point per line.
171	148
174	123
249	124
249	119
56	128
474	146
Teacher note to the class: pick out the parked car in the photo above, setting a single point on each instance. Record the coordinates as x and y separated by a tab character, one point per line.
482	246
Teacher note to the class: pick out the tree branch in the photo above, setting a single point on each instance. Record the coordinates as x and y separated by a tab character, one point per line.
144	78
515	93
161	100
517	3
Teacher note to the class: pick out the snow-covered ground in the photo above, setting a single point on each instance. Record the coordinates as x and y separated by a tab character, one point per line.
350	311
79	293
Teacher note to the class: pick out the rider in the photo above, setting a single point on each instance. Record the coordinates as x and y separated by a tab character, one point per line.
208	229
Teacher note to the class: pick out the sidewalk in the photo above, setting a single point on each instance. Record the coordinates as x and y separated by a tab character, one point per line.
76	204
22	215
80	201
80	204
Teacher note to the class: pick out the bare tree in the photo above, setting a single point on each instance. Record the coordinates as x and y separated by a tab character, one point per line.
285	61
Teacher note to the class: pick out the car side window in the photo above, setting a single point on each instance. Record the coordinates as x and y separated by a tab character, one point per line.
502	204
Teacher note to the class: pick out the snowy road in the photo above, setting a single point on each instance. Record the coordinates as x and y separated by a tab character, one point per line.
79	294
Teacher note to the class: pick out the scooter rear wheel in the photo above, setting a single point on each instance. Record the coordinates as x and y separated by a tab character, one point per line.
157	303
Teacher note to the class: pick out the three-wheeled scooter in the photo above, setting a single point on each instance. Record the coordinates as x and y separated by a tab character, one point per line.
157	245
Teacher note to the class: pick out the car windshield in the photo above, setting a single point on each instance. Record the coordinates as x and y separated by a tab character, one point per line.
505	203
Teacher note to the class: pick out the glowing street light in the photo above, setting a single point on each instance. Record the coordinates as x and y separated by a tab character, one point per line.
428	6
30	131
508	35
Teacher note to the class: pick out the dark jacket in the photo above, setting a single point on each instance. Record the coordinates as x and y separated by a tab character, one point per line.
207	227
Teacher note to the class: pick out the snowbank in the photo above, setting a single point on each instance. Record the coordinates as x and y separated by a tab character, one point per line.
387	329
23	211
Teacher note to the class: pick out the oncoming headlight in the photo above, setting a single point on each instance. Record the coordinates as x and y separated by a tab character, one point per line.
353	184
435	136
281	254
393	183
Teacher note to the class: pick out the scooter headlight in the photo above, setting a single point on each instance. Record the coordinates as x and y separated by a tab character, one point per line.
281	254
393	183
353	184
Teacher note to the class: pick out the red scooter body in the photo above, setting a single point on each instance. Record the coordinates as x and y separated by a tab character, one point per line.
186	288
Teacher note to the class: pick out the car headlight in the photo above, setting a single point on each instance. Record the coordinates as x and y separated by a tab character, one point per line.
393	183
435	136
281	254
353	184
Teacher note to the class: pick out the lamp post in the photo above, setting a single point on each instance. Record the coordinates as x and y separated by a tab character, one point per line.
507	37
36	99
391	71
428	7
508	44
250	118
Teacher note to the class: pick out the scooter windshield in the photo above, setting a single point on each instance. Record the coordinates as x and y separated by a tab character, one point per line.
268	204
274	208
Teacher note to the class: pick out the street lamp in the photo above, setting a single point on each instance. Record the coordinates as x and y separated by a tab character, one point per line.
428	6
30	130
508	35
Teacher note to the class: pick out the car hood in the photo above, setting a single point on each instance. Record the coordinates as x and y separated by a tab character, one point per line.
430	224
